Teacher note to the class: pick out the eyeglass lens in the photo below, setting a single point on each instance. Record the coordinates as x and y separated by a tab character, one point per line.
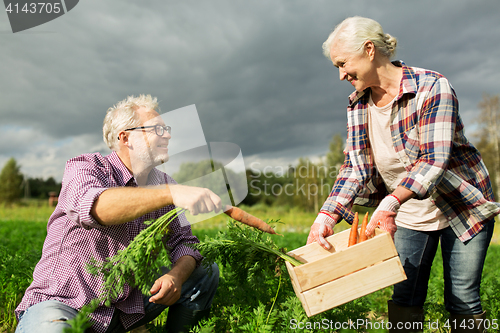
160	130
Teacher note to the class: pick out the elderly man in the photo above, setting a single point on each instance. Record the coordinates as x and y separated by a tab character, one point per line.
102	206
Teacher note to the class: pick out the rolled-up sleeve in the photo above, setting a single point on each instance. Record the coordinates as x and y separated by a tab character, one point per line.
180	236
82	184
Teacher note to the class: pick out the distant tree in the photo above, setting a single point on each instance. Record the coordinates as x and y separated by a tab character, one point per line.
335	155
11	180
266	188
40	188
199	174
489	133
254	189
305	185
312	184
212	175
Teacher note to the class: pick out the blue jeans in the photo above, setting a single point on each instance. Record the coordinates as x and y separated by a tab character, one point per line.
462	267
51	316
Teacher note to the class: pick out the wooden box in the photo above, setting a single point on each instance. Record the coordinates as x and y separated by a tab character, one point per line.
331	278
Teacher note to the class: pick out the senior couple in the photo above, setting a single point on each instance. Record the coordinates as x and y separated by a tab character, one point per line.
406	153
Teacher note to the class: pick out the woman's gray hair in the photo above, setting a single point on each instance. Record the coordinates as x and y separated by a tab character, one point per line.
123	115
355	31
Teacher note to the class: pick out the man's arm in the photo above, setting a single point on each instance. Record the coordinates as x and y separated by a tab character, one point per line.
125	204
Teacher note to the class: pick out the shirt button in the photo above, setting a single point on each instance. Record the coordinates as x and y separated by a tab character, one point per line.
105	325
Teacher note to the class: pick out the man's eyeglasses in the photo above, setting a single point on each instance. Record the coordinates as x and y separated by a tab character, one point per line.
159	130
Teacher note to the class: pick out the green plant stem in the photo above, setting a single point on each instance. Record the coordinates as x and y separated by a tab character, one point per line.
282	255
275	298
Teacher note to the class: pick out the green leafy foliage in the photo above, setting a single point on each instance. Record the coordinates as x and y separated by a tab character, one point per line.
260	322
254	274
250	263
138	265
240	304
238	245
40	188
16	271
20	249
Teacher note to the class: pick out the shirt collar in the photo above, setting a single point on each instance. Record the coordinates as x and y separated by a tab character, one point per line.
122	169
408	84
156	177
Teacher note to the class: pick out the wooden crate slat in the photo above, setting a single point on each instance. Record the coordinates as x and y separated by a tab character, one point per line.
314	251
353	286
338	264
296	287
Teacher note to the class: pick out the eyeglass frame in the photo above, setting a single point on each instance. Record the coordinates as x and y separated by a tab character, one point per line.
164	129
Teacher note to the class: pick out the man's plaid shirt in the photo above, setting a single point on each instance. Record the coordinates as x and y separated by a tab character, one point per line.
428	136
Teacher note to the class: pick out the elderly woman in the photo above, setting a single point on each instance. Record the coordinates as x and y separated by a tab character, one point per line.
407	153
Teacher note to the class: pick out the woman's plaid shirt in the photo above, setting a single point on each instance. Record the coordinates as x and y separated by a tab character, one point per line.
428	136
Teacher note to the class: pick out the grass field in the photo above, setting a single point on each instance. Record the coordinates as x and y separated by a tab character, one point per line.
23	229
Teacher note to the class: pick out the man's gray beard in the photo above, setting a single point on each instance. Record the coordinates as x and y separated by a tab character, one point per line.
147	156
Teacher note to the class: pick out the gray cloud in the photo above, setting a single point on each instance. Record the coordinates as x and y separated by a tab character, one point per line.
254	69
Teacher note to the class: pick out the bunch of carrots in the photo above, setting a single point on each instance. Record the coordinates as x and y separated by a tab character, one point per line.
353	235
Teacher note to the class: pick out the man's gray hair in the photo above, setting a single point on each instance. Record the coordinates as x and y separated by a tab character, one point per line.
123	115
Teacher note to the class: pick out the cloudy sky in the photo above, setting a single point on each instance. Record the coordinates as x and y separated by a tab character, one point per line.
254	70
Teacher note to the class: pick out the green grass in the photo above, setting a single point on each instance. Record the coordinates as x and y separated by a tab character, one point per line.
20	249
26	210
293	219
21	240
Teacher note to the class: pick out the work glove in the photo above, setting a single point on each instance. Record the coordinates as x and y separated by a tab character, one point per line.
384	216
321	228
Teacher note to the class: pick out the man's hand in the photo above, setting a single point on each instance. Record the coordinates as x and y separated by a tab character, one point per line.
321	228
384	216
197	200
166	290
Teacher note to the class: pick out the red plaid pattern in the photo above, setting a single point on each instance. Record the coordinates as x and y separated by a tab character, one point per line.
428	135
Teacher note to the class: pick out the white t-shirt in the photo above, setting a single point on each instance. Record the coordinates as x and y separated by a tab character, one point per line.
413	214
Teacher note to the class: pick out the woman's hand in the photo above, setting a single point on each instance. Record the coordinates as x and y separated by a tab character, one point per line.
321	228
384	216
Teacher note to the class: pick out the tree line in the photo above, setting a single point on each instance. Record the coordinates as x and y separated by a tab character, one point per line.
14	185
308	184
305	185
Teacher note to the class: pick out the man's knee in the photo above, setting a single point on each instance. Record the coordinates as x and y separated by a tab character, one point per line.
48	316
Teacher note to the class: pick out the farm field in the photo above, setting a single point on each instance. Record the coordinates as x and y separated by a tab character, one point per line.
262	300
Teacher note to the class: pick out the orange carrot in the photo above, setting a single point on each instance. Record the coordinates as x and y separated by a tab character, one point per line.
362	236
240	215
353	235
